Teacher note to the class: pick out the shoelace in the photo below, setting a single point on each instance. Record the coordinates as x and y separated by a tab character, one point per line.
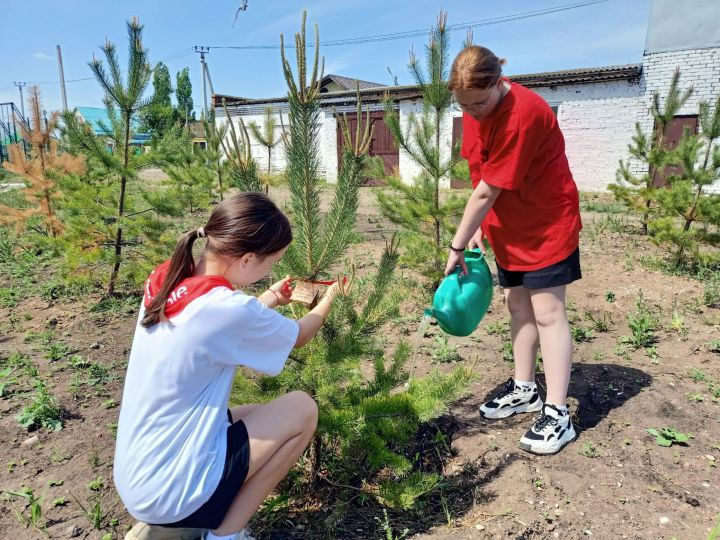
509	389
544	421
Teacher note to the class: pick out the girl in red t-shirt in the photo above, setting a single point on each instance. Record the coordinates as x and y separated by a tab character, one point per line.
525	202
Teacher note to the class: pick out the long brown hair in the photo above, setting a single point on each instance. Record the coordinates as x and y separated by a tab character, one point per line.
475	68
244	223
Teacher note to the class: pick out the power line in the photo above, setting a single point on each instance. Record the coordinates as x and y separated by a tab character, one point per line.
169	58
425	32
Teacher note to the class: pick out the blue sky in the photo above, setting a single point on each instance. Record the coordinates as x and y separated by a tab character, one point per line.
612	32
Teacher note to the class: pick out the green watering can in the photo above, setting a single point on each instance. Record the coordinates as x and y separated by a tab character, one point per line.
461	302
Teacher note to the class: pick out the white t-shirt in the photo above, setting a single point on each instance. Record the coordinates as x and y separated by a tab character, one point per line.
171	437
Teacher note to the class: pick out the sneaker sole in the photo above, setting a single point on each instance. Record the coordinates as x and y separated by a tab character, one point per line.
516	410
528	447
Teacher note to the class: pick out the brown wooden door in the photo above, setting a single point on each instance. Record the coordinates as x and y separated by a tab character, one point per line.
673	133
381	145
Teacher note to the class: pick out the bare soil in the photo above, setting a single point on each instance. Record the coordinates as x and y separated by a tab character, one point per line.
613	482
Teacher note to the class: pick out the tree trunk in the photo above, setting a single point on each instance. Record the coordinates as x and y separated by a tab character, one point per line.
316	460
220	180
269	158
121	209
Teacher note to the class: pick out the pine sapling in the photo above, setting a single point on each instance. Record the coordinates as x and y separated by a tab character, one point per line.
638	193
40	172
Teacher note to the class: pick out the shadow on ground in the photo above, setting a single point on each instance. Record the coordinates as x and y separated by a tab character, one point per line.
597	389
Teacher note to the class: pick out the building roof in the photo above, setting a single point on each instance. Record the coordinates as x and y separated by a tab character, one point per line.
98	116
347	83
628	72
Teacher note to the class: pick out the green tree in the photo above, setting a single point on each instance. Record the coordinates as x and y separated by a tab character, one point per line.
110	220
183	94
214	136
365	422
418	209
638	192
266	135
242	168
686	201
159	115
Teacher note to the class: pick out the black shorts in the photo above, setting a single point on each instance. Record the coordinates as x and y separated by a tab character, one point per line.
555	275
237	463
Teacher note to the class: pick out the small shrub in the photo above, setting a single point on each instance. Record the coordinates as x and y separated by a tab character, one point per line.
97	484
599	323
34	516
589	450
711	290
580	334
642	324
42	412
444	352
668	436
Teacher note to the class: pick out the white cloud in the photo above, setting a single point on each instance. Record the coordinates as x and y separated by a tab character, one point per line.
43	56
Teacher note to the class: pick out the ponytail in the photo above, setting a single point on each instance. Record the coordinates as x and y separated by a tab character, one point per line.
247	222
182	266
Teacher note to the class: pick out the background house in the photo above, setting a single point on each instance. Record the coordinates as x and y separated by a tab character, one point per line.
98	119
597	107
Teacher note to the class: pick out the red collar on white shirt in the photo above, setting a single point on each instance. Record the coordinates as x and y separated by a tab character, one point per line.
186	291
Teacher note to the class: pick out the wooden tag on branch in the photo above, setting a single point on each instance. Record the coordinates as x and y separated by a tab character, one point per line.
306	293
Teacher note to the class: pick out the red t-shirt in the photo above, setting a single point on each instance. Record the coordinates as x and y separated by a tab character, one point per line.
535	221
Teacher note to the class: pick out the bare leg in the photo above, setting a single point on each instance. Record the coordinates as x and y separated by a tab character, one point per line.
279	432
555	341
523	331
241	411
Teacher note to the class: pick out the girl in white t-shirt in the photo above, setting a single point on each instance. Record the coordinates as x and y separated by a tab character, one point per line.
183	459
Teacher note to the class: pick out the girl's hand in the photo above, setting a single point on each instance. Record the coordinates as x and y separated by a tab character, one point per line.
455	259
341	286
478	240
282	290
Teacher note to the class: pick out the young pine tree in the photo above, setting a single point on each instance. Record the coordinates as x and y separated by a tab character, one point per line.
242	168
189	179
418	209
686	201
40	172
111	220
266	135
365	421
638	193
214	136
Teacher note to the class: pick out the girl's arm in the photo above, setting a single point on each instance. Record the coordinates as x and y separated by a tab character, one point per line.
311	323
477	207
278	294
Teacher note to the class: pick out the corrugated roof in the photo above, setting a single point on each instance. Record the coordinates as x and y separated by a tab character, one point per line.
627	72
580	76
348	83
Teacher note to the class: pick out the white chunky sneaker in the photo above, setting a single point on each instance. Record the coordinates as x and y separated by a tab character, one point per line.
550	433
512	400
242	535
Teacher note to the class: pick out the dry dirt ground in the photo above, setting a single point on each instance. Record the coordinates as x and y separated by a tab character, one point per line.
613	482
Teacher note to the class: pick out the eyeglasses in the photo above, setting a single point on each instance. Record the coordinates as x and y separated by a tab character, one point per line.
475	107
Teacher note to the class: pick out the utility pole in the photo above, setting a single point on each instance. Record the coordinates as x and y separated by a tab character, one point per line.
203	50
20	86
62	79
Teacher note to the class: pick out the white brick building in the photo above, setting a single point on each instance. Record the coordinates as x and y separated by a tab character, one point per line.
597	108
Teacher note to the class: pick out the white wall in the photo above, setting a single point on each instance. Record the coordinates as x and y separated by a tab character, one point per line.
259	152
597	119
